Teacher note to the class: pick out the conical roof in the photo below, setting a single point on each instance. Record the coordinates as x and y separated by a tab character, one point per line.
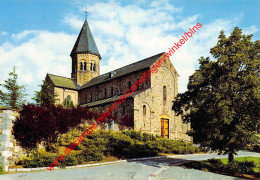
85	42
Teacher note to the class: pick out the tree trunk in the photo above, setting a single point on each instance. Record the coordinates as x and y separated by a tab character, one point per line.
231	157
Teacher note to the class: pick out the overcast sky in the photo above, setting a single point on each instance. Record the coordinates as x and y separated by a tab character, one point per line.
38	36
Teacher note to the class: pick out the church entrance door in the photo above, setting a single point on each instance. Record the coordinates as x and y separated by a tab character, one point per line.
165	128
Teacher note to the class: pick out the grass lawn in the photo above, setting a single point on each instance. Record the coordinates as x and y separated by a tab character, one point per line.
221	166
248	158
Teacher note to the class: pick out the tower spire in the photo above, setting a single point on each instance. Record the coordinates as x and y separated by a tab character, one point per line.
85	42
85	56
86	12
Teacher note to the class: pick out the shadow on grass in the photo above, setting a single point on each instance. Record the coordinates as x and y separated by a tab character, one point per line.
216	166
236	169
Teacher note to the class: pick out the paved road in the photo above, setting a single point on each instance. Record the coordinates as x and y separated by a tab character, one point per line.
163	169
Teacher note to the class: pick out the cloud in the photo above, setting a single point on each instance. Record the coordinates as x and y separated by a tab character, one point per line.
23	34
127	33
165	5
124	34
73	21
3	33
250	30
44	52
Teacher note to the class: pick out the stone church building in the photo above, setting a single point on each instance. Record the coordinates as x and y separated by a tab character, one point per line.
149	107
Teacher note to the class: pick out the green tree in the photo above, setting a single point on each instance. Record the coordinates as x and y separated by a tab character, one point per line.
15	95
45	97
2	98
224	95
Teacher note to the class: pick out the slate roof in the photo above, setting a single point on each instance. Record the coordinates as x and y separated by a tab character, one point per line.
70	83
137	66
85	42
60	81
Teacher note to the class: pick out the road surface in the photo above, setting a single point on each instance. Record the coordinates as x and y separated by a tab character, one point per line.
163	169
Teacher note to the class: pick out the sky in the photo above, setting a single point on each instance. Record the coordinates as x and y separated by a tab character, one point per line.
37	36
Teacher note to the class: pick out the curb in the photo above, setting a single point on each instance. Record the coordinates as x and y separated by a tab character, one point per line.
104	163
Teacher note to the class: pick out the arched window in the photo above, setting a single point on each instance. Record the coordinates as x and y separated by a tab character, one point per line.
112	91
81	66
91	68
105	93
94	67
85	66
68	98
144	110
113	125
129	84
164	94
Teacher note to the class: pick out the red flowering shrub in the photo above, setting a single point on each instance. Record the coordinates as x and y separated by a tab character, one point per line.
127	121
38	124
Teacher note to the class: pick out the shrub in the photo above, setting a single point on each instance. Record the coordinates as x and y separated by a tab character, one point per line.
215	164
148	137
126	144
243	167
140	149
45	124
136	135
247	167
2	171
256	148
234	168
120	144
100	144
92	153
70	136
44	159
94	156
70	160
81	158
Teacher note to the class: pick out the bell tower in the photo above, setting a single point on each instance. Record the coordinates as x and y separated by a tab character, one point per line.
85	57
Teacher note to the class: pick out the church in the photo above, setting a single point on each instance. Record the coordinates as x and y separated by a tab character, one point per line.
148	109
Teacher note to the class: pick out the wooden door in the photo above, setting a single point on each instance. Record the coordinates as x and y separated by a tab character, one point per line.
165	128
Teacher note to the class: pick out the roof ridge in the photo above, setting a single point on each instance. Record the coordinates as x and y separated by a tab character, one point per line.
130	64
121	69
60	76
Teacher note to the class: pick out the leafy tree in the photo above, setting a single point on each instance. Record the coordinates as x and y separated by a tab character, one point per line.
224	95
2	98
14	98
45	97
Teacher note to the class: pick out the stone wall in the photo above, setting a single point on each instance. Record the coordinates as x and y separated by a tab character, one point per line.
125	108
150	95
157	107
9	151
119	86
64	93
84	76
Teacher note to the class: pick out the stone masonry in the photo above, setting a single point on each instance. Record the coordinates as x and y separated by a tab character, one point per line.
9	151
